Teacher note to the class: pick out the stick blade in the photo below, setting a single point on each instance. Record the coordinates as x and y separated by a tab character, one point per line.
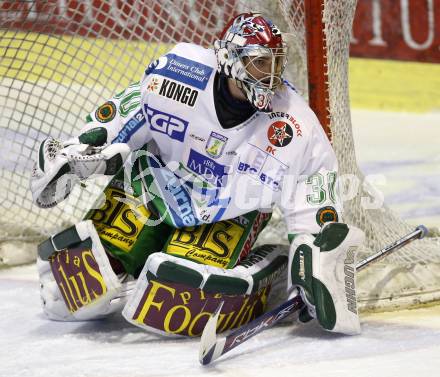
210	349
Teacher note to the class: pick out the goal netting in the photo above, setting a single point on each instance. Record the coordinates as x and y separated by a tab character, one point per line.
60	59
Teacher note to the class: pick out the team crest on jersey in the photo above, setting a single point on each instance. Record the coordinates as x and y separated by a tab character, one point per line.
106	112
280	134
215	144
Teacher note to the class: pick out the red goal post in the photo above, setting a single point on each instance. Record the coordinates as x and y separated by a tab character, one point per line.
317	63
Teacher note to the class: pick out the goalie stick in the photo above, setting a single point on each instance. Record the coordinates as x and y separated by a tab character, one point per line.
212	348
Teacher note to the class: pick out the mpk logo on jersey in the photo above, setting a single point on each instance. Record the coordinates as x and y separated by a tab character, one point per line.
280	134
181	69
166	123
216	144
207	169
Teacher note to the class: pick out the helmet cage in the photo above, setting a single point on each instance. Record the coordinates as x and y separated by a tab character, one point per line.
264	66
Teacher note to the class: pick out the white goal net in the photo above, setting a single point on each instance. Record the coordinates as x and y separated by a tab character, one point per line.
60	59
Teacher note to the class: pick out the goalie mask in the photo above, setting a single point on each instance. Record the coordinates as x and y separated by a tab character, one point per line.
252	52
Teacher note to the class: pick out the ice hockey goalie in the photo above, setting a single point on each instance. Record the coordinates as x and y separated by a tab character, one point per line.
199	151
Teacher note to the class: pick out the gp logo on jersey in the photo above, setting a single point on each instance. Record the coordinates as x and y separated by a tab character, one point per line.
215	144
181	69
166	123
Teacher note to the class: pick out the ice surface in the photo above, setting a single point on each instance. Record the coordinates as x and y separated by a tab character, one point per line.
402	344
401	152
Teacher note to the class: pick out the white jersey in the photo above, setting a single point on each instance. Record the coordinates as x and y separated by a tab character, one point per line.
280	158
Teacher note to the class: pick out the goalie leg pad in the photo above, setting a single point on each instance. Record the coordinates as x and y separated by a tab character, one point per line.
324	271
175	296
76	279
